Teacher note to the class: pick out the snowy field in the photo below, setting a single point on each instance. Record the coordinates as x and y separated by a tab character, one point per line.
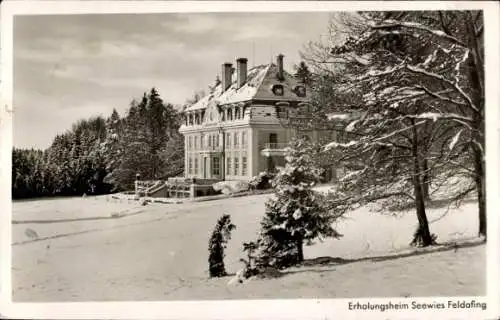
101	249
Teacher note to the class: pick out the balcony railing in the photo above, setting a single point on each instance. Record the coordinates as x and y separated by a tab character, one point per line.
275	145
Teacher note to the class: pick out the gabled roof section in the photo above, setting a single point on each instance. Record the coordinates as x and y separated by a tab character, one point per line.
233	94
289	82
259	85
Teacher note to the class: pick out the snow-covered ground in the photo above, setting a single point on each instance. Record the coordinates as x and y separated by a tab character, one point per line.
108	249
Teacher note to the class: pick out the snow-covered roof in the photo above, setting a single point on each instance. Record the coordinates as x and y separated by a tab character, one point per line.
260	80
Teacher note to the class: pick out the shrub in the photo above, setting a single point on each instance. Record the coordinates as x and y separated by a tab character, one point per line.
250	268
231	187
220	236
262	181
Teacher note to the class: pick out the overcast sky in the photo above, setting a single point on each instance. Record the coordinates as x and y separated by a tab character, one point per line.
68	67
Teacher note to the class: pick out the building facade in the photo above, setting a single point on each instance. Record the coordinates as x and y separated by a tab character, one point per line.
242	127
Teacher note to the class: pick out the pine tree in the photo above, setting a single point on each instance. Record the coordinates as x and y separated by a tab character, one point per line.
218	241
296	213
303	73
134	147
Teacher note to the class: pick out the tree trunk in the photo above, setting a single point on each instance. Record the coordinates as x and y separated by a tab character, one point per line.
422	236
481	196
426	180
476	76
300	249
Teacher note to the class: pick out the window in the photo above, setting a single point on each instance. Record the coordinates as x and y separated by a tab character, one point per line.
282	112
190	165
216	166
305	110
228	166
237	114
236	166
209	138
195	143
196	165
228	140
216	140
300	91
202	141
278	89
273	140
236	140
229	114
244	139
244	164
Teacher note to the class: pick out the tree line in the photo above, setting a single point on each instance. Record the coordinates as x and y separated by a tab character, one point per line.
102	155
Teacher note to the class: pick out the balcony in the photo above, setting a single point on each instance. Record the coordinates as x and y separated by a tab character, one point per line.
273	149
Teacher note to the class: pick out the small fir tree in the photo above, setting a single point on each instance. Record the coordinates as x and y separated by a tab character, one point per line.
296	213
220	236
303	73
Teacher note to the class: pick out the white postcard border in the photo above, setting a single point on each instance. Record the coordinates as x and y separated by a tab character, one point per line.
246	309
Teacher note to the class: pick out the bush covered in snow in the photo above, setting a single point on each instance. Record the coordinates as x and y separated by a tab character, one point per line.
262	181
220	236
230	187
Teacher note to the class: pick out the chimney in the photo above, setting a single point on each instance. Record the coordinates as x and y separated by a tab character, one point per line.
226	75
279	63
241	67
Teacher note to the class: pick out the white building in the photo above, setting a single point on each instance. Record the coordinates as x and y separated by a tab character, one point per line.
242	127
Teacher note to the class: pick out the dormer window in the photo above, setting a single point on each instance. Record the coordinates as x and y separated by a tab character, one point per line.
300	91
282	109
278	90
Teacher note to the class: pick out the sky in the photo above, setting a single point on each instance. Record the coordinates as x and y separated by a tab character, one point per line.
68	67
